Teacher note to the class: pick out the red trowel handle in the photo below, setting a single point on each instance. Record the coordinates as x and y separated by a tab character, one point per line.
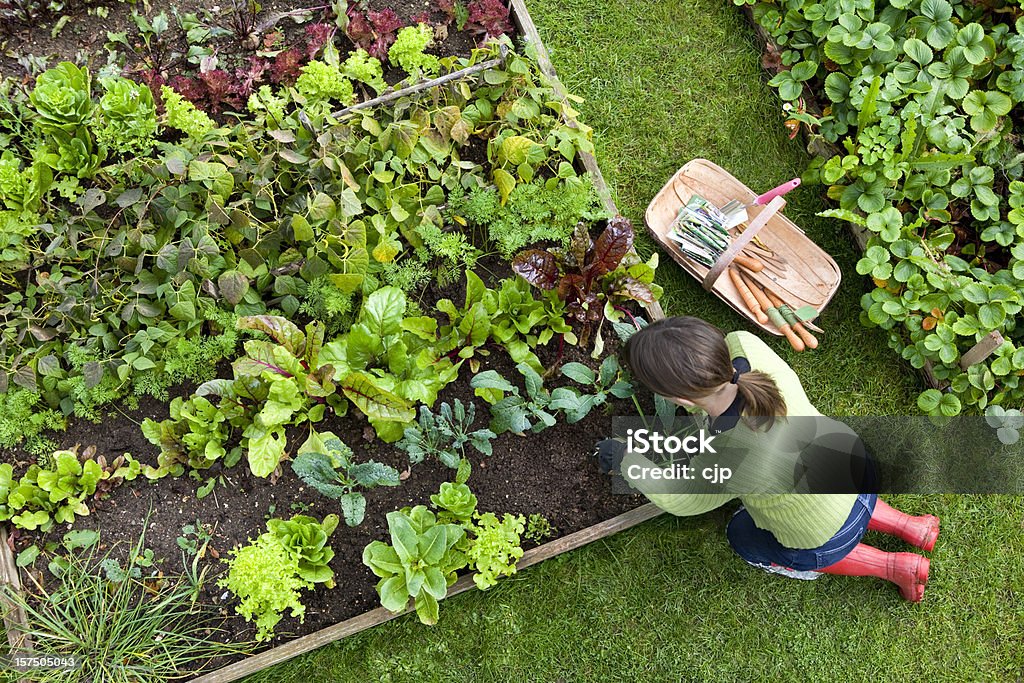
777	192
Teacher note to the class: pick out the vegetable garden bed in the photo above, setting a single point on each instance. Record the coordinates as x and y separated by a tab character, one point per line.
198	509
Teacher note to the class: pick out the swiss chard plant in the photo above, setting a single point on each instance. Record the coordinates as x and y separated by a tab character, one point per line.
57	488
591	276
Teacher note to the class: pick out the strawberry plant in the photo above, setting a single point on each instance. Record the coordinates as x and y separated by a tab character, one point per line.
921	105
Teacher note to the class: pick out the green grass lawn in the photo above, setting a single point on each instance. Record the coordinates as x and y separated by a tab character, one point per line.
667	81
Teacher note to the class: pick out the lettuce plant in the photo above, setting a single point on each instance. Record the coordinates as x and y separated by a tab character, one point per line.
268	574
62	100
494	547
127	117
325	463
407	51
265	579
320	81
16	231
305	540
420	563
182	115
22	189
360	66
195	434
455	501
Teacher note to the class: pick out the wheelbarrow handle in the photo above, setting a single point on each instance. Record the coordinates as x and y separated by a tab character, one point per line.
777	192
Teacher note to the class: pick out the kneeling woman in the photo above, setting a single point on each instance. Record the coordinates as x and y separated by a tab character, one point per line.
695	365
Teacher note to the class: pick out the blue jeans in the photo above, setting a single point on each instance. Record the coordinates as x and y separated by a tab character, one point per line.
760	547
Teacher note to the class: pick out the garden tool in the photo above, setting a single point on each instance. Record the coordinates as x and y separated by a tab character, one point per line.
787	314
748	297
736	212
773	314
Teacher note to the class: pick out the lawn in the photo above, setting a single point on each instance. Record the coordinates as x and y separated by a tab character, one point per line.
665	82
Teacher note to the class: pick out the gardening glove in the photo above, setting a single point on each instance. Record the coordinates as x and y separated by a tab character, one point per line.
609	454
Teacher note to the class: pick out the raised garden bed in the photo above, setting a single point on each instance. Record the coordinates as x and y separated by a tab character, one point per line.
553	476
921	188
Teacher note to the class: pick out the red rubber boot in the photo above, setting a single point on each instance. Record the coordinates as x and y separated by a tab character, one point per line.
920	531
906	570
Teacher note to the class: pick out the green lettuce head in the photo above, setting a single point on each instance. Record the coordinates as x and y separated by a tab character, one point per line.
127	121
61	99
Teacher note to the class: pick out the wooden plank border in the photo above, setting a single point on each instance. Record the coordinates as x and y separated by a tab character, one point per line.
15	621
378	616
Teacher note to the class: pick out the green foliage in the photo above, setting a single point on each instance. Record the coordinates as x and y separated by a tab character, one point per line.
360	66
495	547
538	528
456	502
420	563
538	211
16	229
515	413
608	380
922	97
325	463
305	540
268	574
445	435
407	51
265	579
55	490
62	99
195	434
127	123
182	115
319	81
386	362
279	211
161	628
592	276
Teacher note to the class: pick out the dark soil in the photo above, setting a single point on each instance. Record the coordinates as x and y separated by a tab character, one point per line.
553	474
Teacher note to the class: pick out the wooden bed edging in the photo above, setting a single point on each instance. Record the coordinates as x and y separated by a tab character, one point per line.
378	616
15	621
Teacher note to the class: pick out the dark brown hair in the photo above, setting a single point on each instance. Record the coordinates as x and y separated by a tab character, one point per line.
685	357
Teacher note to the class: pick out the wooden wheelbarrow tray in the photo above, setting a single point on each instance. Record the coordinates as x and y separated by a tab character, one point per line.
798	271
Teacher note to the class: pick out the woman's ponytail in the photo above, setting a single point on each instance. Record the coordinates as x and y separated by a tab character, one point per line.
762	398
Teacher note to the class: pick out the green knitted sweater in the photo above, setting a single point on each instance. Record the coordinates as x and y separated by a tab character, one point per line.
801	520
